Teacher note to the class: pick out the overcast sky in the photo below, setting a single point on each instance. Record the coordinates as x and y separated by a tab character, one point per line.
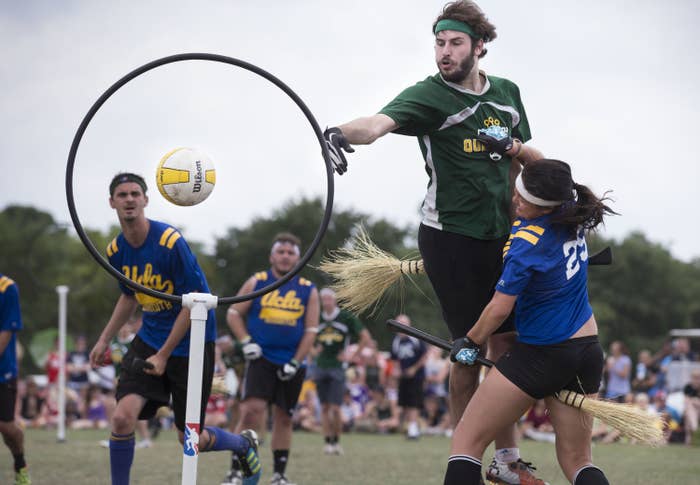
609	86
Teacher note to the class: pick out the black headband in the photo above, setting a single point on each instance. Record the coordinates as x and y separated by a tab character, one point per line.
127	177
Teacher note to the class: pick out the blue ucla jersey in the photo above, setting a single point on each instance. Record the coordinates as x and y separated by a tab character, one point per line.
165	263
10	321
276	320
546	268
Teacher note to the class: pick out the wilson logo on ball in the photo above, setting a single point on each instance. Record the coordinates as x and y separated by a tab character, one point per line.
185	176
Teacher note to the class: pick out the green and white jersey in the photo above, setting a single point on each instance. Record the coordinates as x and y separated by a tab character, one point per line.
334	333
468	193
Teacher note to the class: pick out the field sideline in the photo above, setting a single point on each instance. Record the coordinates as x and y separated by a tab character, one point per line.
369	460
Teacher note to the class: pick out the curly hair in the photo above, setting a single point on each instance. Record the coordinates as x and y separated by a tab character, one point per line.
469	13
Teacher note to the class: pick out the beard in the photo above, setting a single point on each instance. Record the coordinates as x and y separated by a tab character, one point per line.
461	73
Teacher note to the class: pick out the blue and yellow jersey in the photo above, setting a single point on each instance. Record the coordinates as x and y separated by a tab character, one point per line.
276	320
165	263
10	321
546	269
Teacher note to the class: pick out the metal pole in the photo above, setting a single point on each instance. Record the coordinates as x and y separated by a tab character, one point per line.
62	310
199	304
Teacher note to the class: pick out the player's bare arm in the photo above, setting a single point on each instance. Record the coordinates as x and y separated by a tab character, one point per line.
366	130
365	340
5	337
123	310
177	333
236	312
495	313
311	319
524	153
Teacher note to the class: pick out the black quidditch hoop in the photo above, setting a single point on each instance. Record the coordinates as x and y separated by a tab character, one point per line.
198	57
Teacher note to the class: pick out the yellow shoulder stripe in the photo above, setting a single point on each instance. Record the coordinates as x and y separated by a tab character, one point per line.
516	223
536	229
5	283
261	276
529	237
112	248
304	282
173	239
166	234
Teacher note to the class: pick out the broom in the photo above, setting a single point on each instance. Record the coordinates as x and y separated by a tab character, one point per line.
631	421
363	272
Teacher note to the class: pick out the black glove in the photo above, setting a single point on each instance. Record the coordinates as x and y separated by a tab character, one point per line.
464	351
288	370
495	145
336	143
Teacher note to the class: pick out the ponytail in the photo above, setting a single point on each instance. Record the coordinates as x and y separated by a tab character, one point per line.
586	210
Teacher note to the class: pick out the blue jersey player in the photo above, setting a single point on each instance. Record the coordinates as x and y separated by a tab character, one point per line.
155	255
10	324
544	278
278	331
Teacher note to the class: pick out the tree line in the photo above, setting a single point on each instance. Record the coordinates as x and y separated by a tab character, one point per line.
638	299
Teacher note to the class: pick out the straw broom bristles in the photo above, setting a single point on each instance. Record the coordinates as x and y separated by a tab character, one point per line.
363	272
631	421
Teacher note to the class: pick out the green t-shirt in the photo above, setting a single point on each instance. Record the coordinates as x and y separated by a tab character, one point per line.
468	193
334	333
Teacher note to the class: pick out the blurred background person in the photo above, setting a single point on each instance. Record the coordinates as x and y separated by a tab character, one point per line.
618	367
411	355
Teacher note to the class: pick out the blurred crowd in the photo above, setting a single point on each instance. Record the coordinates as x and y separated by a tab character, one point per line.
666	381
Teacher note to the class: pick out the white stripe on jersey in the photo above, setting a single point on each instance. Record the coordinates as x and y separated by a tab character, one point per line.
431	216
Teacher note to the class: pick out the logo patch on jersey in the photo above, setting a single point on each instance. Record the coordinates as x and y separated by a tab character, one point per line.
150	280
281	310
330	336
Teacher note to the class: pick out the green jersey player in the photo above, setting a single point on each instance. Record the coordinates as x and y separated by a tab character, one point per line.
471	128
337	328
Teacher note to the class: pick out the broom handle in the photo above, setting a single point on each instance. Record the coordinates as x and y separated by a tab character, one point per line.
415	266
395	326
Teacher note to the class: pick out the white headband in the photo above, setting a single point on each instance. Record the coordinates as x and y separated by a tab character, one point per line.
279	243
520	187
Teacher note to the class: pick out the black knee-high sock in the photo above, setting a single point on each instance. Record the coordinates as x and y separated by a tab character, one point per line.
590	475
19	461
463	470
280	458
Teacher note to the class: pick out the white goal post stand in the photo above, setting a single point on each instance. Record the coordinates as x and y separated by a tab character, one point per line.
62	291
199	305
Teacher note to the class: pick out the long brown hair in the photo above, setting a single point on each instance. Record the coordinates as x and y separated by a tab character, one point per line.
551	180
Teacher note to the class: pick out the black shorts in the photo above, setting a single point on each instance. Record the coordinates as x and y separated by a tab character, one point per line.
464	272
411	392
158	389
541	370
261	381
8	399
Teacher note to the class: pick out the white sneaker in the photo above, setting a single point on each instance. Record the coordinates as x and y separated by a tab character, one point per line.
413	432
279	479
144	444
514	473
104	443
338	450
233	477
328	449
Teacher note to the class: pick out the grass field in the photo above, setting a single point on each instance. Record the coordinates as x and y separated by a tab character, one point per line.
369	460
